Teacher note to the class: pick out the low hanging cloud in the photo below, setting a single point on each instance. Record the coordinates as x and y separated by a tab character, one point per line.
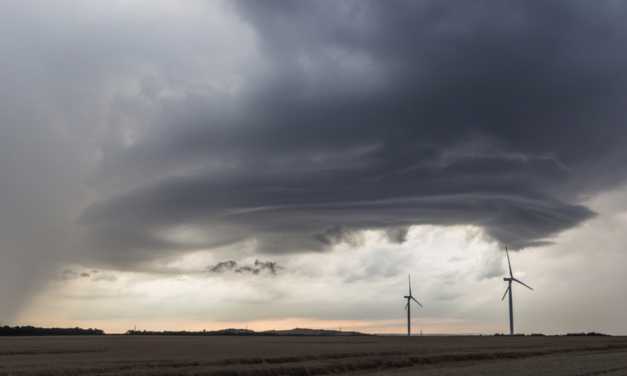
397	235
91	275
68	275
336	235
255	269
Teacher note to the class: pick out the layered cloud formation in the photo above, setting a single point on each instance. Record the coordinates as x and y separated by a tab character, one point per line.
382	116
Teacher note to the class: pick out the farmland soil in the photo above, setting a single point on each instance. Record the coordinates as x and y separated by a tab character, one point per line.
312	355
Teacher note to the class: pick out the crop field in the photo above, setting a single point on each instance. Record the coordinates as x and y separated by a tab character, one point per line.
312	355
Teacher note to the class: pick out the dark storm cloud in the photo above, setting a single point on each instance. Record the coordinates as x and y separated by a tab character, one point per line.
382	115
254	269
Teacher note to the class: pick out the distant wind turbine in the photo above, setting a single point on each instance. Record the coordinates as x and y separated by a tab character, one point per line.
509	289
408	307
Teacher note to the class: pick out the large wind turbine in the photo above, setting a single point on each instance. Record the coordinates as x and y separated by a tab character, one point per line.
408	307
509	289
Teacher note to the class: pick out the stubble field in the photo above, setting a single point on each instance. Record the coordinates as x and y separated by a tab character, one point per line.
165	355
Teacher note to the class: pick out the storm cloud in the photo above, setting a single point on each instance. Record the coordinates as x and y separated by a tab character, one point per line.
372	116
132	137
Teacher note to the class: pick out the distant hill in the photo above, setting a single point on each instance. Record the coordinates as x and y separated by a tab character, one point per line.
313	332
247	332
33	331
222	332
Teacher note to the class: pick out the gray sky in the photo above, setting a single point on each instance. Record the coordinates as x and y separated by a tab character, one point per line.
183	160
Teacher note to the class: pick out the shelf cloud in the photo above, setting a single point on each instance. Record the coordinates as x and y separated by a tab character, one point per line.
503	116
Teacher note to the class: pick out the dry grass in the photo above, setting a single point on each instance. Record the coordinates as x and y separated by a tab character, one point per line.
134	355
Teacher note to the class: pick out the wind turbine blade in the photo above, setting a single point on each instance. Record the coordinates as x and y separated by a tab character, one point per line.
504	295
523	284
416	301
509	263
409	279
407	305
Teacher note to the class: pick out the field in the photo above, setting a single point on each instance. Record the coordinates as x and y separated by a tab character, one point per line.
161	355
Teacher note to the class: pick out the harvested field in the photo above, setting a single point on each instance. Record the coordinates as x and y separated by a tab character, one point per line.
157	355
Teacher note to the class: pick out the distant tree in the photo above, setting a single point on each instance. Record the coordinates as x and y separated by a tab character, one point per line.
33	331
590	334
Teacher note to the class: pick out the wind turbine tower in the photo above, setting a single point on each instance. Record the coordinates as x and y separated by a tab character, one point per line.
408	307
509	289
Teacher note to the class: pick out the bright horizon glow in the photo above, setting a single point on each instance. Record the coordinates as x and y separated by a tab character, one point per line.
456	275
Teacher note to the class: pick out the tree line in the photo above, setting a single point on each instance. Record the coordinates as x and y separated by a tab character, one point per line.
34	331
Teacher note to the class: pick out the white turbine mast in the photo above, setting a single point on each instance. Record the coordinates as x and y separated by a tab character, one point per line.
408	307
509	289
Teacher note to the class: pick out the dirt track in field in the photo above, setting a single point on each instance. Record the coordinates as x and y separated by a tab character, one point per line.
139	355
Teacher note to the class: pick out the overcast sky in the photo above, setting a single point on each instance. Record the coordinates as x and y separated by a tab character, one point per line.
210	164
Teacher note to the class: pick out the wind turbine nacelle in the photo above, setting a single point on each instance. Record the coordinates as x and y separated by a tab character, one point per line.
407	297
507	279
